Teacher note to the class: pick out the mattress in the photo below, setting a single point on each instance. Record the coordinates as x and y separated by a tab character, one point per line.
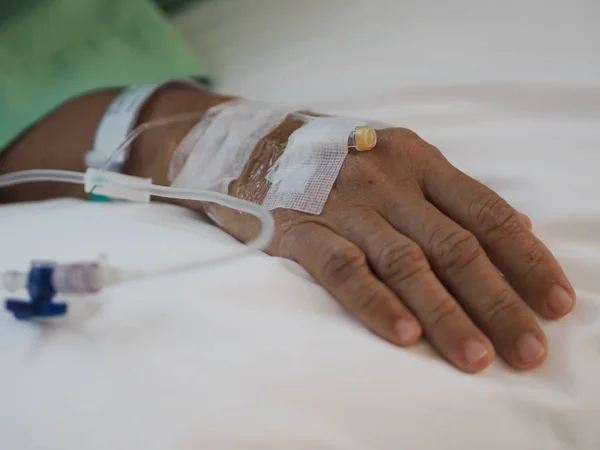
253	354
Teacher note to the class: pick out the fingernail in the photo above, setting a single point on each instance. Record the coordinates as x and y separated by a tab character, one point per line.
559	300
529	348
407	331
474	350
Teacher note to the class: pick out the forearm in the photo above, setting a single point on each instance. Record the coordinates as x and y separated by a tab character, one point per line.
61	140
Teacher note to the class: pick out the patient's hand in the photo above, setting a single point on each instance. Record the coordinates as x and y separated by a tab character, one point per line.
406	241
411	245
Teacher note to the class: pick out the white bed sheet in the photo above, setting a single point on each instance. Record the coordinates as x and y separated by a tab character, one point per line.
252	354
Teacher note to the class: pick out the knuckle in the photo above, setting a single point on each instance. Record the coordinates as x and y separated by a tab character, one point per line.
405	133
454	249
368	304
492	214
341	263
401	263
435	154
441	313
535	258
501	308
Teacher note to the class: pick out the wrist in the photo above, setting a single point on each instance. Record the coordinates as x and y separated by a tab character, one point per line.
152	151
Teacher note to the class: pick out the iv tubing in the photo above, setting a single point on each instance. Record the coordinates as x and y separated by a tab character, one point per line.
66	176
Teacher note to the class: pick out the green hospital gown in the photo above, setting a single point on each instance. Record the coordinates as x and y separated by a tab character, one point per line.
52	50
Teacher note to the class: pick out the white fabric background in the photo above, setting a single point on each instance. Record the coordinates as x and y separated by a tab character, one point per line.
253	355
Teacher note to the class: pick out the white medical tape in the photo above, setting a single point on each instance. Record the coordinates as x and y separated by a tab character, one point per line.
303	176
216	150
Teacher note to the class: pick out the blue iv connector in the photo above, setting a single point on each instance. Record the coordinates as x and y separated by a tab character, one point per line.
41	291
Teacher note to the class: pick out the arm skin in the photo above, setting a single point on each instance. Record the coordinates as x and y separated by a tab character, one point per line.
61	139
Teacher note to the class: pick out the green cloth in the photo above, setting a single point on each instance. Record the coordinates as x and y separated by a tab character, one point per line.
52	50
173	5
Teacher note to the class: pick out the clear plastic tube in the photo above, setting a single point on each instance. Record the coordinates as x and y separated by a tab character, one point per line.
148	126
34	176
65	176
262	214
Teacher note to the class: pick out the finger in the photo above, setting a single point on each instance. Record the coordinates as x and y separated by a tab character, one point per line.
402	266
526	221
462	265
341	268
525	262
